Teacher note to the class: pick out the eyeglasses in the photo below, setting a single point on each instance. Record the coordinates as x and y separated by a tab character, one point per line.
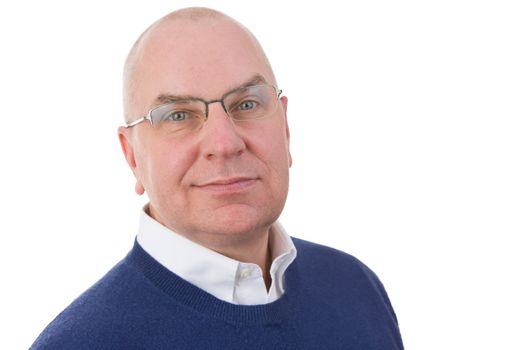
242	104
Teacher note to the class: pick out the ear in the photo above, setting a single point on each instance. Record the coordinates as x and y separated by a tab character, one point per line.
284	104
125	139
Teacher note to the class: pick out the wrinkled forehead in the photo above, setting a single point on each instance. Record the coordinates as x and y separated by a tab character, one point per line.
202	58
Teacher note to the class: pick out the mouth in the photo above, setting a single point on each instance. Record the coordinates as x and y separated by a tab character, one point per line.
227	185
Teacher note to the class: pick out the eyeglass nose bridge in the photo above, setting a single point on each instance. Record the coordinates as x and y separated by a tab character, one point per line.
207	108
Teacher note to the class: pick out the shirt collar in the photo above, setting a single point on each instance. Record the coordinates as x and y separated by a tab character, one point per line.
213	272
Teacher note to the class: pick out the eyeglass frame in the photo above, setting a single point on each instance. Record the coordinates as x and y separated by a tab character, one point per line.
206	104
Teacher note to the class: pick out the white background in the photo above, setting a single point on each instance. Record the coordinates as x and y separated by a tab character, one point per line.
408	138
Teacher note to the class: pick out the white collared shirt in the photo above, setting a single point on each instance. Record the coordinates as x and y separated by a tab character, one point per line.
225	278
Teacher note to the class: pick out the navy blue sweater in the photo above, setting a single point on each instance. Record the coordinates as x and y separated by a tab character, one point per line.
332	301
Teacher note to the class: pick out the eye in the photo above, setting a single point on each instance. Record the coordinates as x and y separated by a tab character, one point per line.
247	105
177	116
174	118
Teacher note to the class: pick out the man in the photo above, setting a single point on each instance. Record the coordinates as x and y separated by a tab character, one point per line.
207	139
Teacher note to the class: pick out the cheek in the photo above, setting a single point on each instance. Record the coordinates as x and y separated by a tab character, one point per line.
279	147
273	152
165	166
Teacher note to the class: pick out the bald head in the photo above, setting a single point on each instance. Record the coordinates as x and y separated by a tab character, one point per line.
183	30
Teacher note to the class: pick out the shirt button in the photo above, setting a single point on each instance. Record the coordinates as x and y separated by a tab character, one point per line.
245	273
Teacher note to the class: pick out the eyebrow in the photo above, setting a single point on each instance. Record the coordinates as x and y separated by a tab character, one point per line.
165	98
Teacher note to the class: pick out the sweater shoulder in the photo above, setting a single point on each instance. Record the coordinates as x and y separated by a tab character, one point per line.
323	266
314	254
90	319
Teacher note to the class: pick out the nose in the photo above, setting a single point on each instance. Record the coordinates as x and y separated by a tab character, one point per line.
219	135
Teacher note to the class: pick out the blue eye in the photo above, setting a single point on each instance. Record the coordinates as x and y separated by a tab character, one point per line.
177	116
173	117
247	105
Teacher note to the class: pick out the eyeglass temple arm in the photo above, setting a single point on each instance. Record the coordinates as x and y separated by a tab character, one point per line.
138	121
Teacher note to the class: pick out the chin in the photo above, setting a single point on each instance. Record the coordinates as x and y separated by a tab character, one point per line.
239	220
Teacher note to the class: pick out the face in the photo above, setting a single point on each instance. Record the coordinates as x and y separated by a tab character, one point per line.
226	180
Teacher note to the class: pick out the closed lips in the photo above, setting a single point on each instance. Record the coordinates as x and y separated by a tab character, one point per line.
231	183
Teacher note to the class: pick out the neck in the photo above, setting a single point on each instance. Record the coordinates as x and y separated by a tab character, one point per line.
249	247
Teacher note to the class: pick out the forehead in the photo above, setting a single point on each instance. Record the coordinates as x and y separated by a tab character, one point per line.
202	58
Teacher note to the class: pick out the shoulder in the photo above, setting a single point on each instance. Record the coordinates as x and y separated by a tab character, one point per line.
345	295
319	257
329	270
90	320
